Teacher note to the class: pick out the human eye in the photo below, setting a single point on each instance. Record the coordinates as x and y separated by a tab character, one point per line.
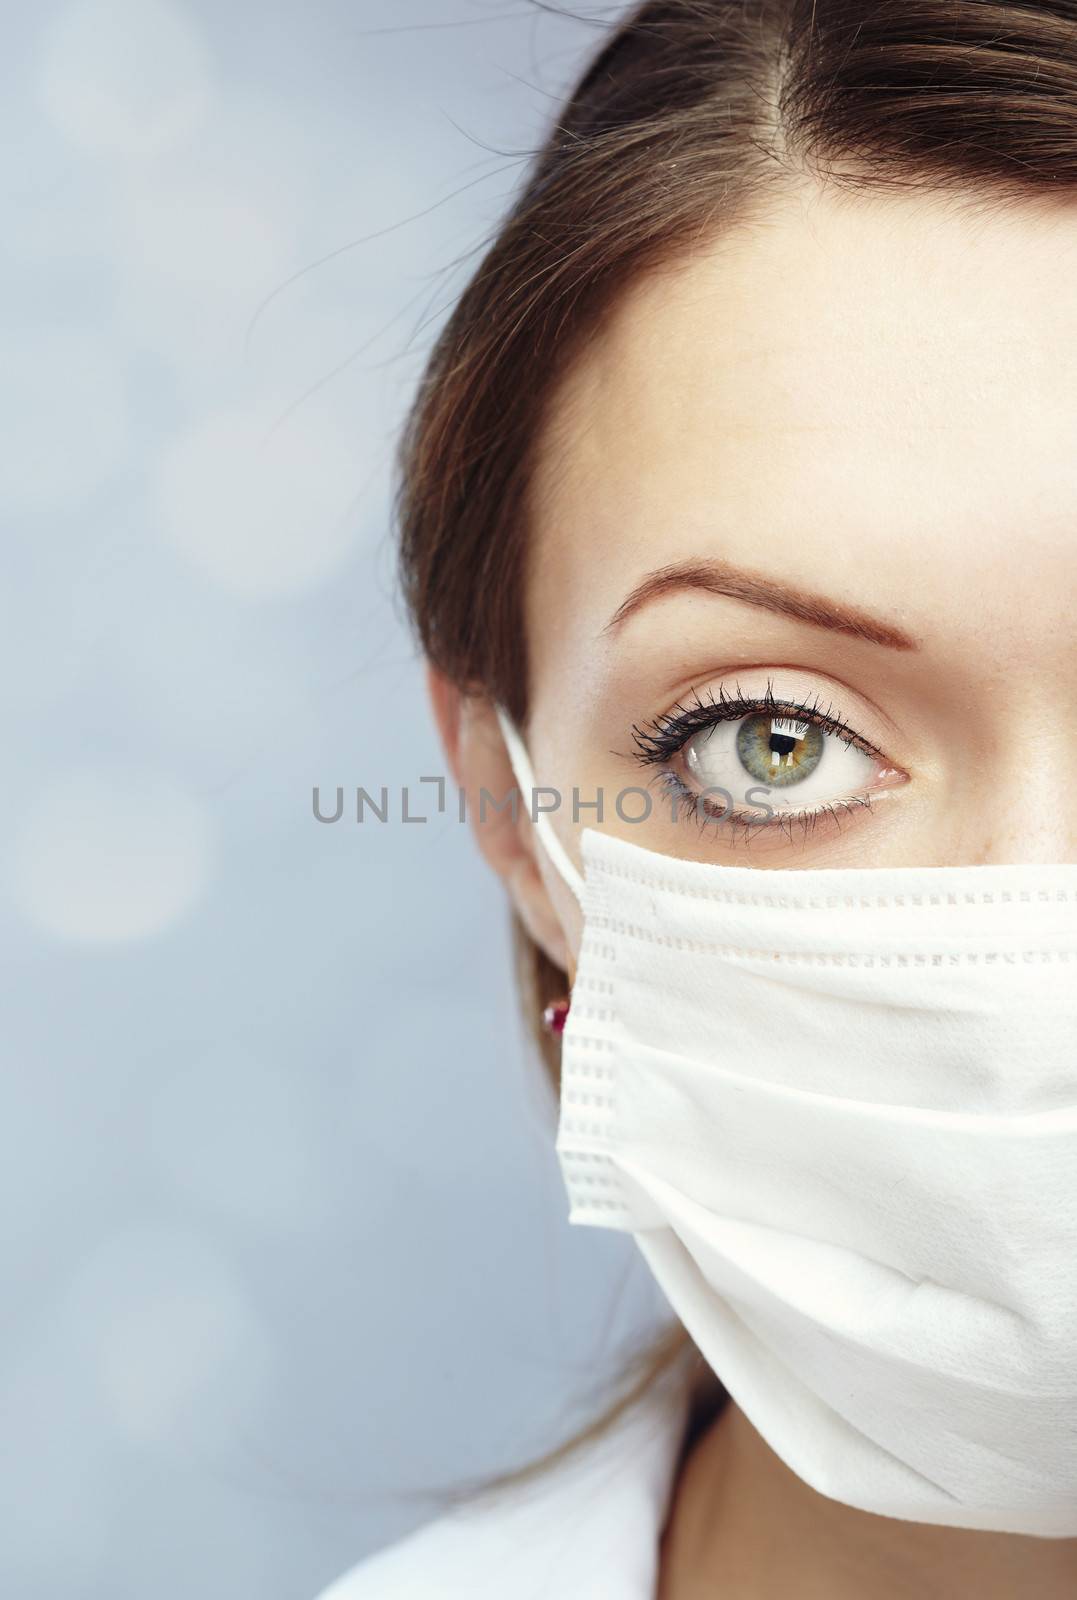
753	761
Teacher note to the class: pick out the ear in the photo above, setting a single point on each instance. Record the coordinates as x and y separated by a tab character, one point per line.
479	762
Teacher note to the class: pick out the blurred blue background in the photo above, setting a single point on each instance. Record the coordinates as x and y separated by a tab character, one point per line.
284	1239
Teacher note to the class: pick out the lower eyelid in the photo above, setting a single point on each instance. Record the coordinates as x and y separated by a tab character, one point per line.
784	819
794	825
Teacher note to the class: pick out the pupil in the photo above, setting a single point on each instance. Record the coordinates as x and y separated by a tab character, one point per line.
782	745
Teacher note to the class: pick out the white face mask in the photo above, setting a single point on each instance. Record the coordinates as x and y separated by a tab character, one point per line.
837	1108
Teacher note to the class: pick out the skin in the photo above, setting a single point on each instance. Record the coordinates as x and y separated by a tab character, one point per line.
870	400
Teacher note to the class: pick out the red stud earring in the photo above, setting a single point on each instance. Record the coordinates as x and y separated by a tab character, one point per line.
555	1016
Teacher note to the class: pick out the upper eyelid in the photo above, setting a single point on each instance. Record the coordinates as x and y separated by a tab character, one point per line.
801	681
733	708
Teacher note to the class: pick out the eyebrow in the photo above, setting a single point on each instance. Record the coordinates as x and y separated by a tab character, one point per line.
736	583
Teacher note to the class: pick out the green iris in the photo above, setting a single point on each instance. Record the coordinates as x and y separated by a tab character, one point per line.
779	751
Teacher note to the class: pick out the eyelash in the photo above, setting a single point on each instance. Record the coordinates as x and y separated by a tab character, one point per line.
657	743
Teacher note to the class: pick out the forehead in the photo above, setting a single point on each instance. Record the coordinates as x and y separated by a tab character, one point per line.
873	396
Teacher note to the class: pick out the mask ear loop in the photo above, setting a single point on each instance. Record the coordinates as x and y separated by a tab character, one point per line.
525	782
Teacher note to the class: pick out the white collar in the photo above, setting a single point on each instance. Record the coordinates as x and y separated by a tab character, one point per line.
588	1529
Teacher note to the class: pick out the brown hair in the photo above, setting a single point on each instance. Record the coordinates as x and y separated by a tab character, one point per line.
693	113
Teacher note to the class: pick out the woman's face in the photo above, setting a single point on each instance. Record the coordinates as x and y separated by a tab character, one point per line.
830	463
